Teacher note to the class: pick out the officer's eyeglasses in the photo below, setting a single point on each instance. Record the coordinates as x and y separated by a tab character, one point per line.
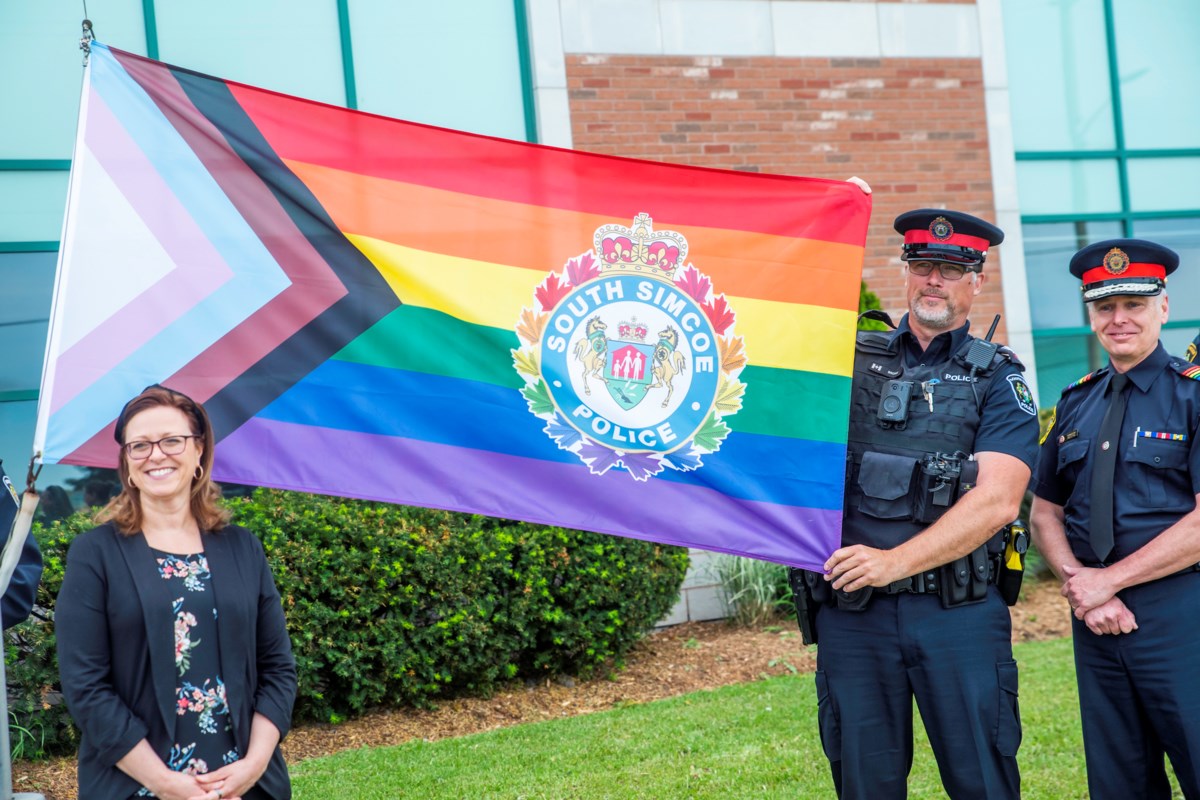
949	272
169	445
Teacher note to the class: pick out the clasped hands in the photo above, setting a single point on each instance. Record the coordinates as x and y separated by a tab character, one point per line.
1093	599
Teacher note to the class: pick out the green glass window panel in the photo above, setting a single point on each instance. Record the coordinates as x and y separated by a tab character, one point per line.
28	281
17	421
291	46
1062	360
1159	62
1164	184
458	67
1054	300
1068	187
1058	75
41	69
31	205
1183	286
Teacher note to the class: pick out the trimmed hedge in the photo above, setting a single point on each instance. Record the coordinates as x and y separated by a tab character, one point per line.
396	606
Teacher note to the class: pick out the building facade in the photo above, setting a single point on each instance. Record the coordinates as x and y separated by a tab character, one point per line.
1065	121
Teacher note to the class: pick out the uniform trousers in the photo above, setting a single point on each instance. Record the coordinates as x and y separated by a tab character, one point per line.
957	663
1139	696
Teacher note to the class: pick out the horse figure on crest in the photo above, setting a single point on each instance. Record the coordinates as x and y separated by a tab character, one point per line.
592	351
668	361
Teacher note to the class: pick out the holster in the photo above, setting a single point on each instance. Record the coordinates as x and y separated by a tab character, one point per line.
1011	567
809	591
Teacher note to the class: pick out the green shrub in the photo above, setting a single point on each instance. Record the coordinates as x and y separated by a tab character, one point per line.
397	606
39	723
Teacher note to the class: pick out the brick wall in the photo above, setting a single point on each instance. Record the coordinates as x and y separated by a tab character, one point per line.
914	128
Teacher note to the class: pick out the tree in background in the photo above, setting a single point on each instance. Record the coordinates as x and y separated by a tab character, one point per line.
868	300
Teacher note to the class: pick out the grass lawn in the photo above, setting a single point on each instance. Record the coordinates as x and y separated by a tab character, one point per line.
756	740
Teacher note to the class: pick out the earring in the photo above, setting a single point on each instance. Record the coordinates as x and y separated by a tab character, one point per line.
199	471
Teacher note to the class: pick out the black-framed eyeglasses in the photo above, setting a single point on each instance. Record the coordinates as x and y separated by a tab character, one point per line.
949	272
168	445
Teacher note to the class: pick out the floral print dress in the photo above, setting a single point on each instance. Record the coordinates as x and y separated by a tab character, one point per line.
203	731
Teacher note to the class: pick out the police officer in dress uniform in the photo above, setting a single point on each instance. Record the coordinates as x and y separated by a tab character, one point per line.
908	606
1115	516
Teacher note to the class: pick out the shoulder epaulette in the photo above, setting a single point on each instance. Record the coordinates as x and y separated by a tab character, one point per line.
874	341
1007	352
1186	370
1090	376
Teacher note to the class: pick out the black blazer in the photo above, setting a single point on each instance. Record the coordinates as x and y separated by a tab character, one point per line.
116	651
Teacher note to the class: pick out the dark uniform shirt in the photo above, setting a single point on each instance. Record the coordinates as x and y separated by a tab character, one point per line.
1158	460
1008	422
1193	350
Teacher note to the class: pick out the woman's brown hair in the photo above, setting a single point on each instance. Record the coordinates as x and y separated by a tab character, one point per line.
125	510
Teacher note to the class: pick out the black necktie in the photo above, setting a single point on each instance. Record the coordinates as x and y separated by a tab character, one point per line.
1104	466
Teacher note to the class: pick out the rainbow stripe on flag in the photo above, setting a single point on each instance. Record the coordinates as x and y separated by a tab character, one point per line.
379	309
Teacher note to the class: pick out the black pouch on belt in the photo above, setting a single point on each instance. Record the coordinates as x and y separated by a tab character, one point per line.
964	580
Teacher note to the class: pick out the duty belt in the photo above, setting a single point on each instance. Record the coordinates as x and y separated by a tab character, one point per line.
923	583
927	582
960	582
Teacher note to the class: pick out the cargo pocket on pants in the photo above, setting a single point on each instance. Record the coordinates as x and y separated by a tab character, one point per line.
827	718
1008	720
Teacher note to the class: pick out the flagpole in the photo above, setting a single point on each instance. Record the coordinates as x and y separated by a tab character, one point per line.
18	532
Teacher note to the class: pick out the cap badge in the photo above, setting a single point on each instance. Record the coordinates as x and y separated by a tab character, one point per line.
1116	261
941	229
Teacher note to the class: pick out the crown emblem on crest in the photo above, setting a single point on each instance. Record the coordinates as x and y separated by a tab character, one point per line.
941	228
640	248
1116	261
632	330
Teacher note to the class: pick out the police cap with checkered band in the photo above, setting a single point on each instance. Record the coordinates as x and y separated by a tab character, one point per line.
1123	267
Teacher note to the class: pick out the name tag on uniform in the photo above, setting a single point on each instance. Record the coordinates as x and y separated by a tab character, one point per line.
1066	437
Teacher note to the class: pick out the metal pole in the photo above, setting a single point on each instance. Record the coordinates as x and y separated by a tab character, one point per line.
20	529
5	747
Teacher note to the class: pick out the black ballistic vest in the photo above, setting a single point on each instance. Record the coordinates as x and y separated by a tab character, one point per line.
882	459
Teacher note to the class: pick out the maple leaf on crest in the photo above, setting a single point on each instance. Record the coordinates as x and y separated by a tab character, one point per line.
582	269
695	284
729	395
551	291
563	434
719	313
526	362
641	465
537	395
531	325
599	459
733	353
685	459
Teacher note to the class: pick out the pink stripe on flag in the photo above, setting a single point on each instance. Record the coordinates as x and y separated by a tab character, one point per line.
313	286
198	268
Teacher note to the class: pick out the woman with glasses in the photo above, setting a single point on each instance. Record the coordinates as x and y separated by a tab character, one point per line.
173	651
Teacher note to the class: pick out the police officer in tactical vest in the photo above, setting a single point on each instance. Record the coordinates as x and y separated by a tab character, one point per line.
943	432
1115	514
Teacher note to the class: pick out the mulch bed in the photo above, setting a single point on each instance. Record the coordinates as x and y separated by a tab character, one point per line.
672	661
